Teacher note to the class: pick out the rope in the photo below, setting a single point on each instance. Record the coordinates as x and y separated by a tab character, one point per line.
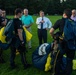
55	62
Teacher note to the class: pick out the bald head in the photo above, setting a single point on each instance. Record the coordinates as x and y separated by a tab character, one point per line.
25	12
73	12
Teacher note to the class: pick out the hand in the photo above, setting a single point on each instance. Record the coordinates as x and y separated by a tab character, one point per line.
42	21
22	43
26	26
47	28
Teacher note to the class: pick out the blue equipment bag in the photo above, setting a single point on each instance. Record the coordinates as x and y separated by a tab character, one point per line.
40	55
4	46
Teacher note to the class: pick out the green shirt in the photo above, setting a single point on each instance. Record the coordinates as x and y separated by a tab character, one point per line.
27	20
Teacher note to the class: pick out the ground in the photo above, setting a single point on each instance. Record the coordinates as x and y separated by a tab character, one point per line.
5	69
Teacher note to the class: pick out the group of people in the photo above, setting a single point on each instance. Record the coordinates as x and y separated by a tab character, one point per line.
22	18
18	35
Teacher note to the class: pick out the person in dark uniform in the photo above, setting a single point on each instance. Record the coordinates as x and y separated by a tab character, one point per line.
2	23
65	50
4	16
18	35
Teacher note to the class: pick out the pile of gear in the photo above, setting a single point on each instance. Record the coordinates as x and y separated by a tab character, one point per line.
45	56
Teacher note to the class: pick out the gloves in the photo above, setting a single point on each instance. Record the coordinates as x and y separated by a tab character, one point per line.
22	47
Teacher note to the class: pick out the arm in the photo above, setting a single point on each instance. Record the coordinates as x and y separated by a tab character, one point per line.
52	31
28	26
20	31
31	22
56	26
49	24
37	21
20	34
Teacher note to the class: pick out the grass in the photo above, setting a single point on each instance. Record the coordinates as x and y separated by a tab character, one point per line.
4	68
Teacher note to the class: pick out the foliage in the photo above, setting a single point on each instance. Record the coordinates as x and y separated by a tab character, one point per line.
34	6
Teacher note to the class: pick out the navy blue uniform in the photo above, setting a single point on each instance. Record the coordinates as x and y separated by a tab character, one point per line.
17	25
64	50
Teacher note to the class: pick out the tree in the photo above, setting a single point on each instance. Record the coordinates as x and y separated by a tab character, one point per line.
34	6
54	7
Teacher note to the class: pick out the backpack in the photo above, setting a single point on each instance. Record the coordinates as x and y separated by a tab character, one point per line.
9	30
70	33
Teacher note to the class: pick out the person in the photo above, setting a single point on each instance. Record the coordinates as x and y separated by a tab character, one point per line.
73	16
43	24
64	48
2	23
18	36
4	15
27	21
2	20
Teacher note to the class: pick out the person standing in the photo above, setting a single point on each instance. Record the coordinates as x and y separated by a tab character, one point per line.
2	23
43	24
2	20
70	53
27	21
73	16
4	15
18	37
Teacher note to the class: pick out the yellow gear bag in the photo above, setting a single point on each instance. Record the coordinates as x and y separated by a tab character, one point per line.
2	37
28	34
48	63
74	64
